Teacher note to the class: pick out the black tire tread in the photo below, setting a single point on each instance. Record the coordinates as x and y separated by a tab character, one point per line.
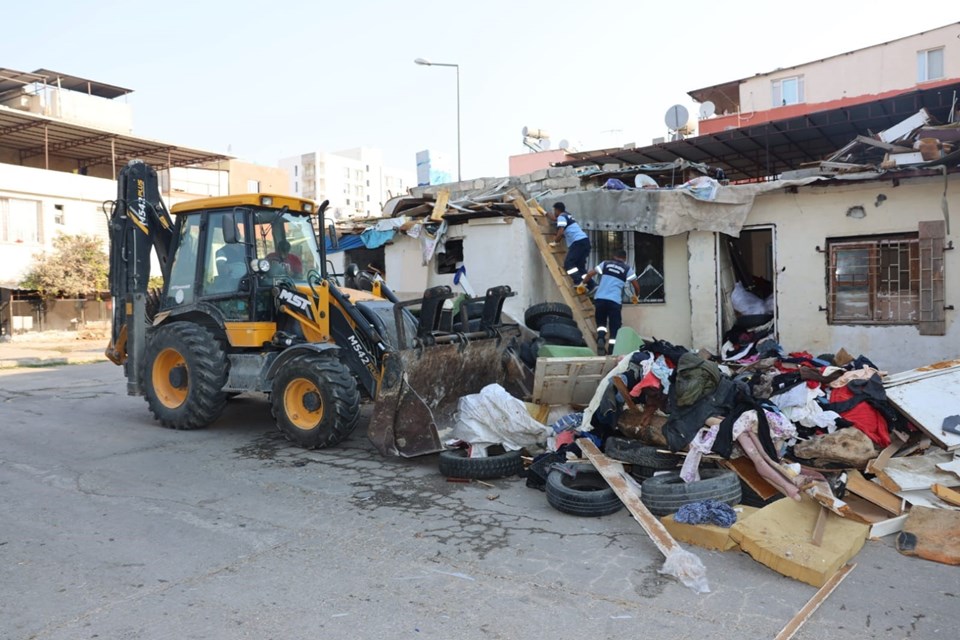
636	453
346	401
454	463
207	374
600	500
532	317
562	334
665	493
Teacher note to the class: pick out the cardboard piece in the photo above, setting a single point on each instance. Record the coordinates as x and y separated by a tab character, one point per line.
708	536
779	536
932	534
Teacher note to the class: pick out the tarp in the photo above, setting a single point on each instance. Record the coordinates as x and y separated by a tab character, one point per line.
666	212
345	243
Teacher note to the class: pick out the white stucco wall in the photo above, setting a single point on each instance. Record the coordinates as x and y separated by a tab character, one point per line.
667	320
80	196
869	71
805	220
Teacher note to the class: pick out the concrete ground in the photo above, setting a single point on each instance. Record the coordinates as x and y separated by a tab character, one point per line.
114	527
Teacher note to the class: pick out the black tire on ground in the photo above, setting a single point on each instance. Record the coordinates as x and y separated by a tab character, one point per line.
586	494
454	463
640	473
184	370
532	317
666	493
751	498
315	400
562	334
637	453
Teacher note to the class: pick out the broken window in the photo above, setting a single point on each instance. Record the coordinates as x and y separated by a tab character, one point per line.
644	252
929	64
874	280
787	91
450	257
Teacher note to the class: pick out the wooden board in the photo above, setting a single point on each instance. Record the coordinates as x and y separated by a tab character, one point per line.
946	494
912	473
612	471
744	468
814	603
933	534
889	502
569	380
926	396
541	230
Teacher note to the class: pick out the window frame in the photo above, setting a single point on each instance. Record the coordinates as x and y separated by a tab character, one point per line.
875	280
776	91
923	64
602	249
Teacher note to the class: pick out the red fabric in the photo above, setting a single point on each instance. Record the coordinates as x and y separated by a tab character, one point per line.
565	437
864	417
649	380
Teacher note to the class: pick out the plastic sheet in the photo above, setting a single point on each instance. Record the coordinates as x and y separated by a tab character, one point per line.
493	416
687	568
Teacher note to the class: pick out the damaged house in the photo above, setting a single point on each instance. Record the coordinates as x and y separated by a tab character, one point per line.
831	212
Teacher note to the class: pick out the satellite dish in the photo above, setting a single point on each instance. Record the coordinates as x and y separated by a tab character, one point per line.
524	132
707	109
677	117
545	144
564	144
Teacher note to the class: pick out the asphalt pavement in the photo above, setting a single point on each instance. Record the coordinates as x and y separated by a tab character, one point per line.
114	527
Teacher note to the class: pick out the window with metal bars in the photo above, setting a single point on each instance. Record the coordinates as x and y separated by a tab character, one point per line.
644	252
874	280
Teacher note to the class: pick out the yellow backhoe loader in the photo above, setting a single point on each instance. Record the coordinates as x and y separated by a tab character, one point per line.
249	304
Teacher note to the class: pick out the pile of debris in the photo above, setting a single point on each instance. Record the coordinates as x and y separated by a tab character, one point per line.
914	143
794	458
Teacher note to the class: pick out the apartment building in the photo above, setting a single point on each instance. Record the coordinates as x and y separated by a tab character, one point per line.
355	181
921	61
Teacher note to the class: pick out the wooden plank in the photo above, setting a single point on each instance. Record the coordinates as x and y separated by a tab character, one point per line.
819	526
622	388
615	476
440	206
814	603
946	494
539	226
744	468
873	492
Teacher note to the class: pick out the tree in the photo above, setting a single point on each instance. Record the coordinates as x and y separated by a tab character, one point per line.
77	266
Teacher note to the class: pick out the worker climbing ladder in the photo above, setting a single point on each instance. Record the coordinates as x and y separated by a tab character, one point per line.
542	230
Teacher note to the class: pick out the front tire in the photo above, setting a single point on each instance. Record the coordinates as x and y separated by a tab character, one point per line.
185	369
315	401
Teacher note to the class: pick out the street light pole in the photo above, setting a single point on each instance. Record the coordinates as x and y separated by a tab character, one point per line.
427	63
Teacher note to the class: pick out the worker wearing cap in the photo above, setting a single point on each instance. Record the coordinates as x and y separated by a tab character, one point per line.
615	275
578	243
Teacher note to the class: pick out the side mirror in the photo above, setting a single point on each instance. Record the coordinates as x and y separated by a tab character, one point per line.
231	235
332	234
352	270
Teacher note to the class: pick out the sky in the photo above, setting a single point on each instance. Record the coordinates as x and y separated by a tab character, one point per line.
266	80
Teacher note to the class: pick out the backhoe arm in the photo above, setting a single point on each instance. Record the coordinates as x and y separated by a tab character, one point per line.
138	221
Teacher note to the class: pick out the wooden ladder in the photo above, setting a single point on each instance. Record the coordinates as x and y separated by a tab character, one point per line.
543	232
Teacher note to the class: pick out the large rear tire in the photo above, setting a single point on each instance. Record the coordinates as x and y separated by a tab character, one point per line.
184	371
315	401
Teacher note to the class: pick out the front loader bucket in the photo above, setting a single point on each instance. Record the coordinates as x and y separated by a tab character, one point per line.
413	416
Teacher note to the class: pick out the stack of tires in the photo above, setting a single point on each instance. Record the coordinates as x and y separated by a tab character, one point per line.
554	323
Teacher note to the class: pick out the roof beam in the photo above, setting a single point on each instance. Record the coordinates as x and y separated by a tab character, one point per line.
799	147
128	155
68	144
20	127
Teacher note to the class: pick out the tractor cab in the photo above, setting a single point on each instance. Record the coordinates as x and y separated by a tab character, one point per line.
233	250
